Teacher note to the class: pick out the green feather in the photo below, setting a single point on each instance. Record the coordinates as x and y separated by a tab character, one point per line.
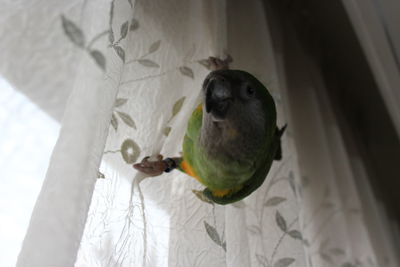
243	177
256	180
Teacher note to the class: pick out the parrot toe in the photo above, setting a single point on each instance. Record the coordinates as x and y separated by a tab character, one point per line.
151	167
219	64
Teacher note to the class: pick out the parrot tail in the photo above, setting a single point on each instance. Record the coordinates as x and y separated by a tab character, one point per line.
278	135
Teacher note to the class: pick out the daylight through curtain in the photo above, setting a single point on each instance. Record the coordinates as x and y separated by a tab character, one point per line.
137	71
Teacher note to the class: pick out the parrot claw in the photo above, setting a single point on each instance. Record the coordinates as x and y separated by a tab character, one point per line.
151	167
219	64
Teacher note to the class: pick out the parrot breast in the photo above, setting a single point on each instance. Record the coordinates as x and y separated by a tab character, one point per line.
230	140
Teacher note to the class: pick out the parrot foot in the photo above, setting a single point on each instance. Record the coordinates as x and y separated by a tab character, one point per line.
152	168
219	64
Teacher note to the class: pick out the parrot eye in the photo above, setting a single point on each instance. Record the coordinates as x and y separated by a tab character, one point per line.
250	91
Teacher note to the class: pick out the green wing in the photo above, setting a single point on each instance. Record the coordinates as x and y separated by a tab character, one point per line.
187	164
257	179
192	133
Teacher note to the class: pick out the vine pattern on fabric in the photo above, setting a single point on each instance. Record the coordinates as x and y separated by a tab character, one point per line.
130	151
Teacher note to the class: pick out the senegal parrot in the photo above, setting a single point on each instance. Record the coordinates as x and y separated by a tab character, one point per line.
231	138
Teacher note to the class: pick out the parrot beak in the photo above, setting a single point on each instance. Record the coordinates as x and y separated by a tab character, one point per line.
218	97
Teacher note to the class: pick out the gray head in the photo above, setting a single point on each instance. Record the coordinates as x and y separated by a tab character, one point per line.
235	111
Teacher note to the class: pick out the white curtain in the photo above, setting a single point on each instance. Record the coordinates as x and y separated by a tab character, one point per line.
135	69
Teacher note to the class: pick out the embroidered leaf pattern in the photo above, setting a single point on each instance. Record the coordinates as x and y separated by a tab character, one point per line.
120	101
295	234
111	11
148	63
166	130
114	122
186	71
292	182
127	119
178	106
213	234
124	29
274	201
205	63
280	221
100	175
202	197
154	46
120	52
130	151
134	25
254	229
111	32
223	245
111	36
284	262
73	32
99	58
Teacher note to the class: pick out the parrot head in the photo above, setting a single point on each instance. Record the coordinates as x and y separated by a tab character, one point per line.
227	93
236	108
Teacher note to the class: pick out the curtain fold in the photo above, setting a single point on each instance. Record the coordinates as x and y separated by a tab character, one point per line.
60	212
138	70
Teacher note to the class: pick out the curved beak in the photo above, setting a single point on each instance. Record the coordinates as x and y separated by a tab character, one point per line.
218	97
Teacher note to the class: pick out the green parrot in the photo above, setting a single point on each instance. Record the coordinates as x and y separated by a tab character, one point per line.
231	138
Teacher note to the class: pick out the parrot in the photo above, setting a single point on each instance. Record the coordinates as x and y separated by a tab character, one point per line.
231	138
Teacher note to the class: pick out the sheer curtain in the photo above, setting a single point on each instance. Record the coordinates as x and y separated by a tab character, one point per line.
137	72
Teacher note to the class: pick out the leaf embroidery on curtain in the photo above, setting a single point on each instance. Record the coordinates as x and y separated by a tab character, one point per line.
218	239
175	110
145	61
73	32
99	58
130	151
100	175
287	233
77	37
125	117
186	71
284	262
120	52
134	25
199	194
274	201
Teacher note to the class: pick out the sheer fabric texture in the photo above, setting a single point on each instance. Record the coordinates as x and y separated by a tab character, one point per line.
137	76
